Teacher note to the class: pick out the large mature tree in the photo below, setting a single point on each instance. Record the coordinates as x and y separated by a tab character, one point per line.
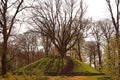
60	21
8	12
115	20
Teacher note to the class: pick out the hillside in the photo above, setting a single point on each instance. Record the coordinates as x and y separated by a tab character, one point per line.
58	66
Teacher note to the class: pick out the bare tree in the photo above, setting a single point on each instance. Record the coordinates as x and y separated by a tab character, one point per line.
91	50
28	44
108	31
115	21
60	22
97	36
84	25
7	21
46	42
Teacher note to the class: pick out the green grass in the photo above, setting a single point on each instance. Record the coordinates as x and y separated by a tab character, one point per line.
35	68
82	67
54	65
10	76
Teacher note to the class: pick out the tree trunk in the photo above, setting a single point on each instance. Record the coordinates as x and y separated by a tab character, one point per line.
99	56
46	51
94	57
62	52
79	49
109	56
28	58
3	61
90	59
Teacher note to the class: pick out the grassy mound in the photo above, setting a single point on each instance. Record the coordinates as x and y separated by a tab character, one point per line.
58	66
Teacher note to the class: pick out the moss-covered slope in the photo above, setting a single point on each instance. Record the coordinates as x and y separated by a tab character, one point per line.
58	66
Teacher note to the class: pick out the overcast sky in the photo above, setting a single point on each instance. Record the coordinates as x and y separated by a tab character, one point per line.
97	9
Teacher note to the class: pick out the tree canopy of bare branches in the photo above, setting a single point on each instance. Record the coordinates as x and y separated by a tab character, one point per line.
60	21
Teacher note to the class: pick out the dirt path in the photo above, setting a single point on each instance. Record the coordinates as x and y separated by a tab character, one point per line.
74	78
55	78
